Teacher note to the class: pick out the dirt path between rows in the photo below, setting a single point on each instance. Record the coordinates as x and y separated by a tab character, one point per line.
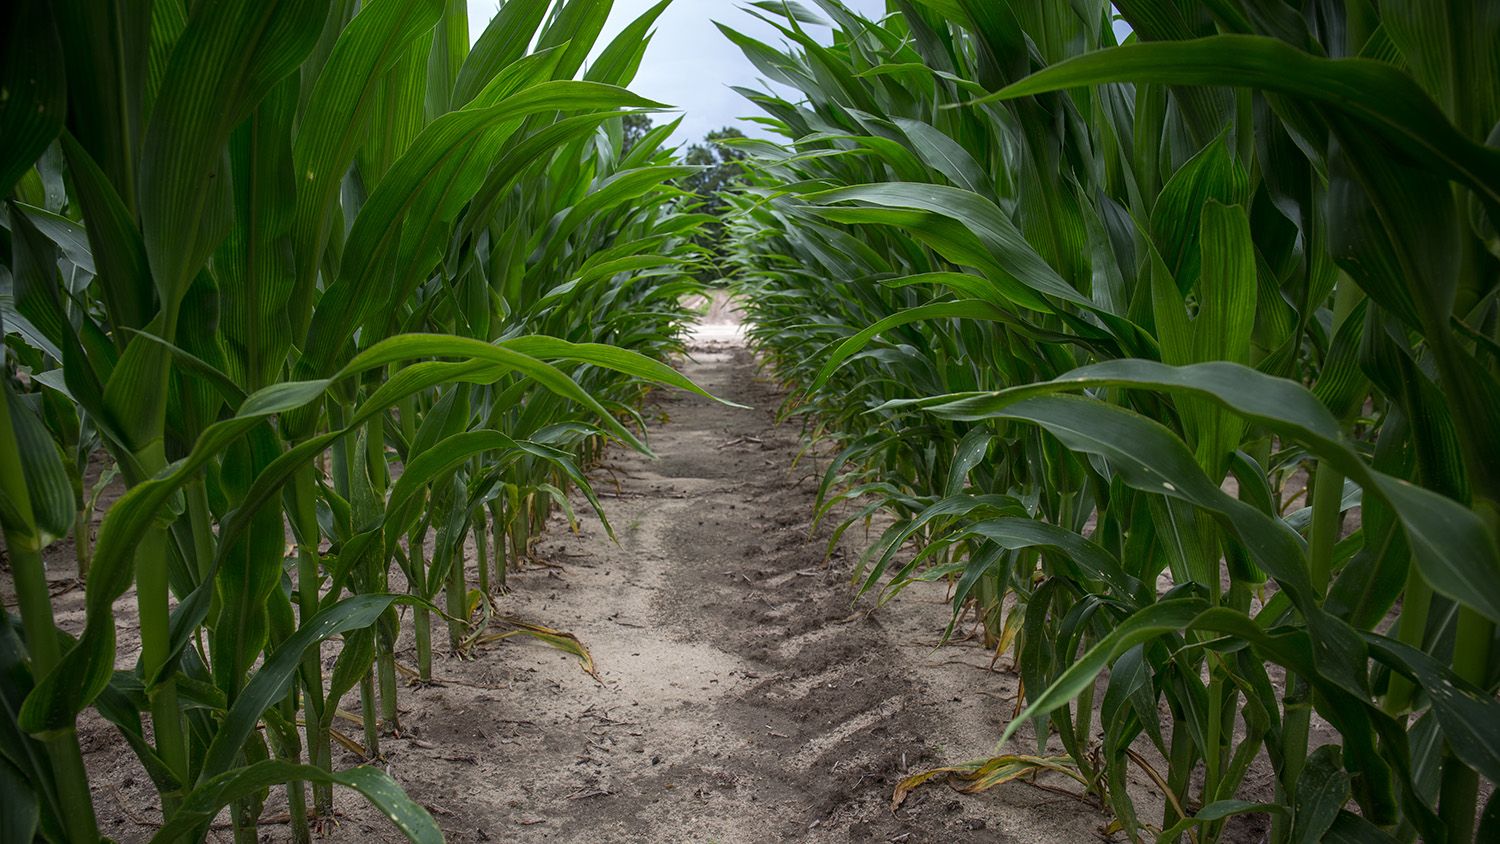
741	695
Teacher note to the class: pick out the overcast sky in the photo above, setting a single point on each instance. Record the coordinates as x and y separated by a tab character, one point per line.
690	64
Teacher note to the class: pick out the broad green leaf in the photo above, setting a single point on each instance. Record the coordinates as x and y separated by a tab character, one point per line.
411	346
1218	811
1096	562
115	243
352	665
34	106
1000	237
574	27
946	156
227	59
210	797
85	669
248	568
503	41
1455	552
1349	828
450	46
106	49
1322	791
377	231
51	492
618	63
1148	457
68	235
618	188
273	679
1182	210
609	357
1152	621
336	113
1378	94
226	386
1469	717
22	815
1451	51
962	309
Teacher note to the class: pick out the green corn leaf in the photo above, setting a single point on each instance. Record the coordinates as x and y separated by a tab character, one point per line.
353	664
1003	241
68	235
211	796
34	106
1096	562
1453	549
106	48
954	505
37	297
769	61
1468	717
450	46
1322	791
946	156
227	388
47	483
489	363
531	150
609	357
1148	457
22	814
503	41
377	231
1218	811
618	188
1213	175
446	455
121	704
272	680
336	115
962	309
1225	319
970	453
1378	94
249	568
114	241
1450	48
411	346
22	758
85	669
254	270
448	416
1143	626
618	63
575	27
227	59
1349	828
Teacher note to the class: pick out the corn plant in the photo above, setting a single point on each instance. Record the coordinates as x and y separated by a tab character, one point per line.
1089	317
264	254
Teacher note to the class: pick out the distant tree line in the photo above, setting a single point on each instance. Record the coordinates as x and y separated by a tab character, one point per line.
723	167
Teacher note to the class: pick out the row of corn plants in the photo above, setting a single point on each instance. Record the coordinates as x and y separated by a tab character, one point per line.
338	297
1166	334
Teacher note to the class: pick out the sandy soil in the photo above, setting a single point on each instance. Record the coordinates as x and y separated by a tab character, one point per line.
742	693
